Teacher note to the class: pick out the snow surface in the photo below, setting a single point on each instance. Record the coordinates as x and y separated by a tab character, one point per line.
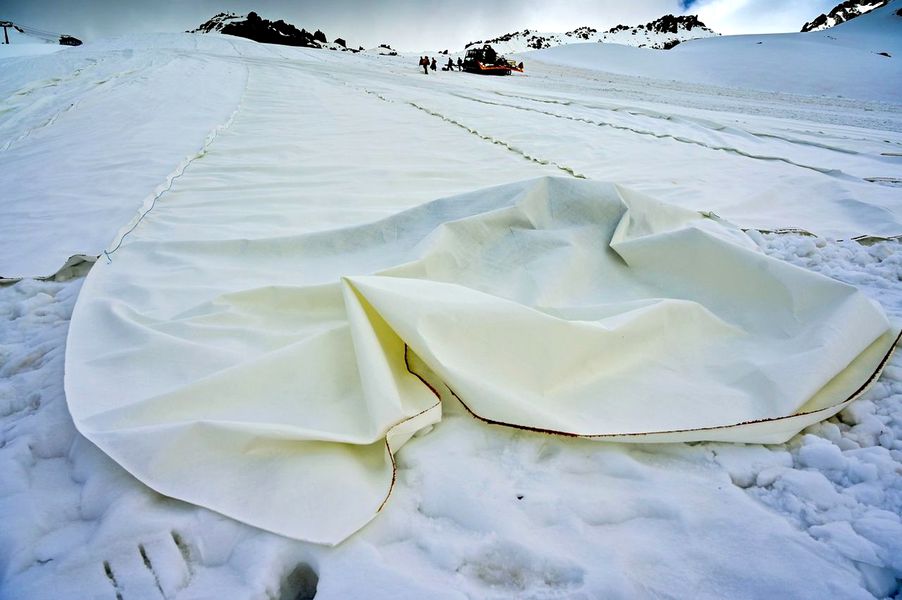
478	511
116	121
164	99
91	135
845	61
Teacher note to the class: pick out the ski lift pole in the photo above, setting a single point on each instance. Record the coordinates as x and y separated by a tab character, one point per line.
4	25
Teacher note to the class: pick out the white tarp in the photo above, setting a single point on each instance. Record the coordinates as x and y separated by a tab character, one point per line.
90	135
271	379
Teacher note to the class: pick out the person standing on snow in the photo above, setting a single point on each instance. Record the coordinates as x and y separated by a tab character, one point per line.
424	62
433	65
460	64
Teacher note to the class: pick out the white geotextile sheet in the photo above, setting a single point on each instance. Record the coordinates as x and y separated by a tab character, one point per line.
272	379
90	134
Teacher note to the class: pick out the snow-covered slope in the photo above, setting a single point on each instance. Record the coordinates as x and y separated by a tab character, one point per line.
92	134
254	27
841	13
85	109
858	59
663	33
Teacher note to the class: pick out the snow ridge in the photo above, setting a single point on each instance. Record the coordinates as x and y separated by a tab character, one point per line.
843	12
660	34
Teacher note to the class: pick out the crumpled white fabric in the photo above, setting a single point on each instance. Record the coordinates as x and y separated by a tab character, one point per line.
273	379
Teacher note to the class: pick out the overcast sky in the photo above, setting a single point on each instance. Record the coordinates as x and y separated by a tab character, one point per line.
408	24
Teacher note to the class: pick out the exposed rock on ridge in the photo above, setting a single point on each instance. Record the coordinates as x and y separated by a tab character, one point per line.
662	34
843	12
262	30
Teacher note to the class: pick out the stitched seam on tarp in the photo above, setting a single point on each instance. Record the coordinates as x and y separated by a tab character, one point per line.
391	455
179	171
857	393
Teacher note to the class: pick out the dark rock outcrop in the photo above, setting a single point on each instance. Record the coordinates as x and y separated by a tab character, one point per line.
254	27
582	33
385	50
666	24
672	24
843	12
533	40
216	23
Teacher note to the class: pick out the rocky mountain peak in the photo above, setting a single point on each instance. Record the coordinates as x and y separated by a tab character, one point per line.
662	34
254	27
843	12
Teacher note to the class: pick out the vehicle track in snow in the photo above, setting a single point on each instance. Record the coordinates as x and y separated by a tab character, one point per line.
633	110
867	114
836	173
884	158
703	123
499	142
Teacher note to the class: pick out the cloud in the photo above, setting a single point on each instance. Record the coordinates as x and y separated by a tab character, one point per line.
759	16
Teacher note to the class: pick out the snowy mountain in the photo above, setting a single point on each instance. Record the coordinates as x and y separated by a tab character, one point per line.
841	13
218	22
856	59
254	27
661	34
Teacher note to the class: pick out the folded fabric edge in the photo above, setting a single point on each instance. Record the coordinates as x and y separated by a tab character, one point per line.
882	349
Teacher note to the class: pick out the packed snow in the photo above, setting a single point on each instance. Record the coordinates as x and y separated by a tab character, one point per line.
93	138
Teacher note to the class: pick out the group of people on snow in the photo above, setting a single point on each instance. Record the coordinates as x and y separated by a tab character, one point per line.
427	64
